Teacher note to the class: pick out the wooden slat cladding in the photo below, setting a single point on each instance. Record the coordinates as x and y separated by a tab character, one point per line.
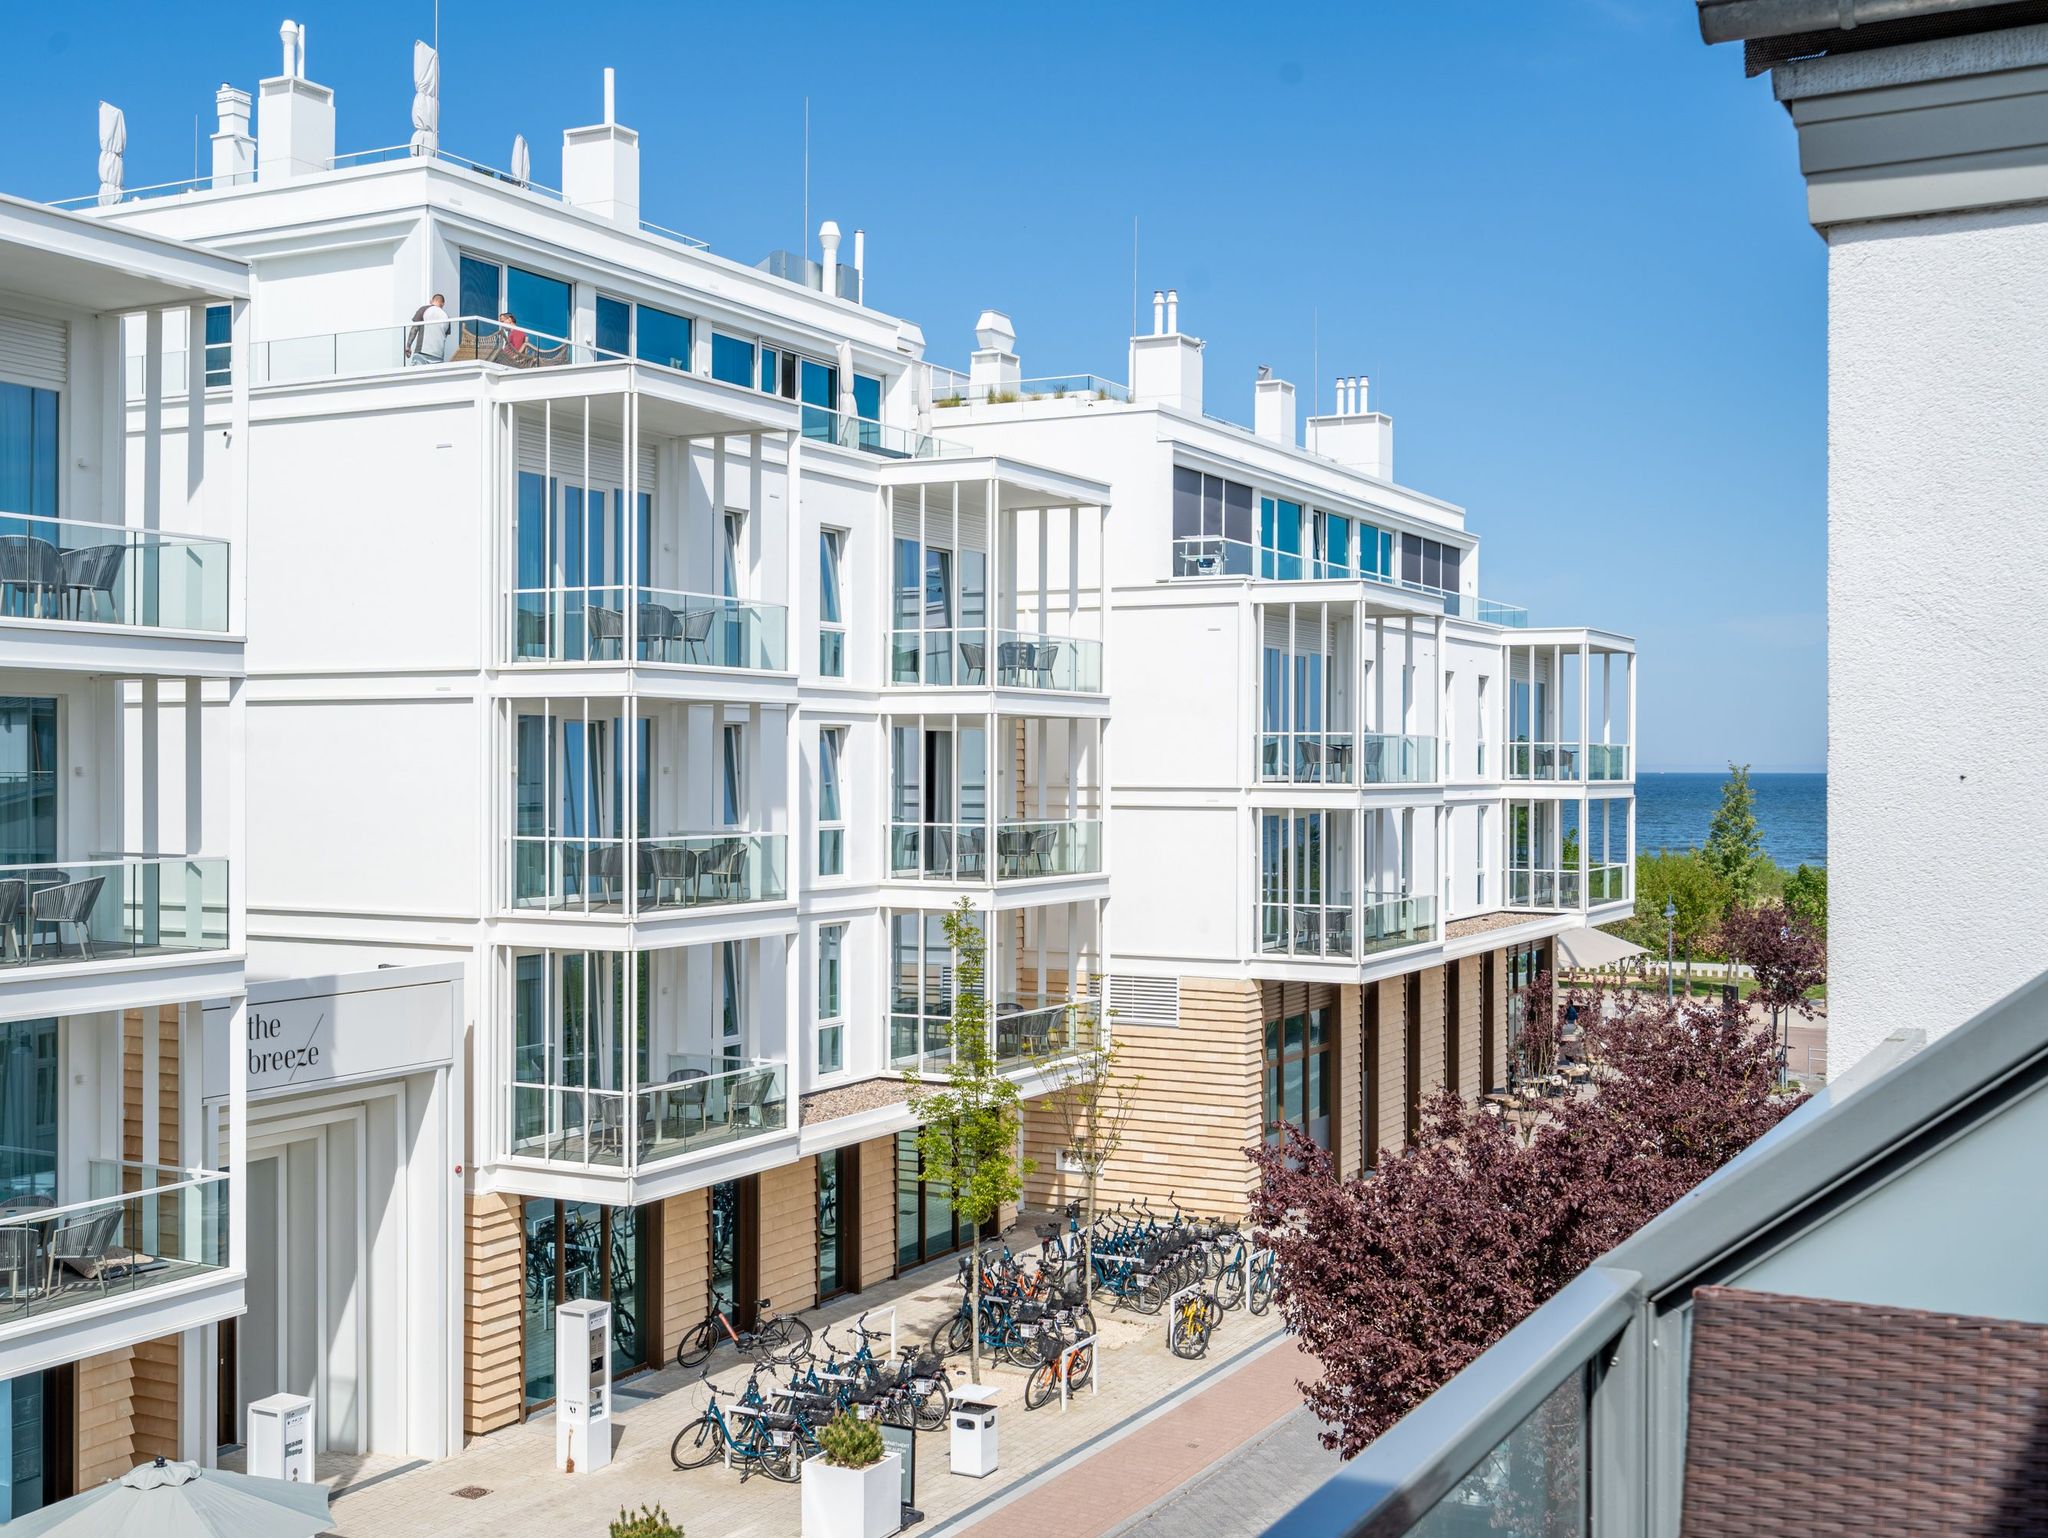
126	1409
685	1266
1471	1062
1197	1103
787	1268
1390	1070
1351	1083
493	1371
877	1206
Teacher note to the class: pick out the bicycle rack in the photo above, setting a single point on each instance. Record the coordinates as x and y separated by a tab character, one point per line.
1094	1369
890	1309
1173	1303
1251	1258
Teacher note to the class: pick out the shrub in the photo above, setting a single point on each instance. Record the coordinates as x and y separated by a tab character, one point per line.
850	1442
647	1522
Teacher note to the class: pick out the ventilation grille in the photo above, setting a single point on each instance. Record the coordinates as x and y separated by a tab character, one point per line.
1144	1001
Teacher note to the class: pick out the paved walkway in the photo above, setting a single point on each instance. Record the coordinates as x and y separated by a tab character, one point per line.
507	1483
1136	1472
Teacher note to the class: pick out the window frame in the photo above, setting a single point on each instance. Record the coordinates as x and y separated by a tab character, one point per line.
830	1023
832	773
832	546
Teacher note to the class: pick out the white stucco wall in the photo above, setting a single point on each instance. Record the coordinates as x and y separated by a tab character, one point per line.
1938	620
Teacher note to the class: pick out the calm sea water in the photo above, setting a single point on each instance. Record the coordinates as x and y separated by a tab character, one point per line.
1673	811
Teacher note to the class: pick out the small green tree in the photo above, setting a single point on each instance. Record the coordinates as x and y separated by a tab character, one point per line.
1093	1102
968	1127
1690	885
850	1441
1806	897
647	1522
1735	843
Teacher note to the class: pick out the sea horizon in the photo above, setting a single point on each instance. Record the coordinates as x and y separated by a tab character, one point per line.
1675	807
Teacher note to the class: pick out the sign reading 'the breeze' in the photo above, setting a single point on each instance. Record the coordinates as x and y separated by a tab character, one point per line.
322	1030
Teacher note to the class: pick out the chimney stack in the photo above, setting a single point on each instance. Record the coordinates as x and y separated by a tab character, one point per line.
992	367
1355	437
234	152
1166	367
294	117
601	166
1273	410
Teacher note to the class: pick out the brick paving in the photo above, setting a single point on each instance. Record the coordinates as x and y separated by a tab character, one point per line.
526	1496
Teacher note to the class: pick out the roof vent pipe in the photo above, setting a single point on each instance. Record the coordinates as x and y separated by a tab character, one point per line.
1358	400
288	35
1173	312
1159	312
610	96
860	256
828	243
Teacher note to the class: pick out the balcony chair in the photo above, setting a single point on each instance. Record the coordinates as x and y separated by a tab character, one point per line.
13	904
92	571
1308	767
1013	661
660	631
606	629
31	576
85	1246
938	851
973	846
1044	847
1045	656
684	1114
696	634
603	866
728	869
751	1107
62	903
669	871
974	662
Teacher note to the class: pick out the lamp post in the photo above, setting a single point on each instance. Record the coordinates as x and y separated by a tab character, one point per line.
1670	921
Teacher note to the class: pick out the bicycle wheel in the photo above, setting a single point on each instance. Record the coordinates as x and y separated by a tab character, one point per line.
1151	1298
1214	1308
694	1349
780	1463
1230	1287
958	1334
1084	1319
1041	1385
795	1333
1079	1365
697	1444
1262	1292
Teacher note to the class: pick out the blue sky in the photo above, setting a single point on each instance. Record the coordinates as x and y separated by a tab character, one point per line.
1565	240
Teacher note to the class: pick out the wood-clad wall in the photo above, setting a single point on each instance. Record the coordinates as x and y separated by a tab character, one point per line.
787	1258
127	1410
1351	1084
1390	1069
494	1375
1471	1075
877	1203
685	1266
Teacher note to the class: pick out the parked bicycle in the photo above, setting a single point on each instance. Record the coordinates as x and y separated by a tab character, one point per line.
771	1332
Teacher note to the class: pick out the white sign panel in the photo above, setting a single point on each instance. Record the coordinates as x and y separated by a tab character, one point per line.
329	1030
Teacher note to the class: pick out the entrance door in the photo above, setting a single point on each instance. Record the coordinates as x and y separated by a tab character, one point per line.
838	1222
583	1250
734	1232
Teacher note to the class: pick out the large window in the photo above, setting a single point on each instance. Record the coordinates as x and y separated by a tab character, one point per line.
220	333
1429	563
926	647
28	1113
733	779
28	780
832	602
926	1222
1305	883
1280	539
488	292
1299	1082
28	454
837	1176
663	338
614	326
831	802
831	998
1212	526
732	359
921	991
583	1250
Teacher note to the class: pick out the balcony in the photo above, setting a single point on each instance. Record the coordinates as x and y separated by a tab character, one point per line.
661	627
1347	758
960	658
705	1103
1339	929
1562	887
65	571
1215	555
674	874
1568	762
1023	850
1024	1029
144	1228
877	438
113	909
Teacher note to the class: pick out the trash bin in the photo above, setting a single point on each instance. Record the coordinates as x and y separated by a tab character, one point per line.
973	1416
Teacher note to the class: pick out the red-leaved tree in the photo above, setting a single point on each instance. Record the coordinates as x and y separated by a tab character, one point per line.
1787	955
1394	1282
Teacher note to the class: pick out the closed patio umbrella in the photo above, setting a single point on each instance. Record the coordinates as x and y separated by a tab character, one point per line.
522	160
426	99
182	1500
113	145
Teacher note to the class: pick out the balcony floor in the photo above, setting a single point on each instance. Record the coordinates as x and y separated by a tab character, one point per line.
18	1303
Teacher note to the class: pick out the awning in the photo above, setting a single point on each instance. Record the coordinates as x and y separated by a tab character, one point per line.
1586	949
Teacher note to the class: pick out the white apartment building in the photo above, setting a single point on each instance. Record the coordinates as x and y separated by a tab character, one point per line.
658	645
122	1237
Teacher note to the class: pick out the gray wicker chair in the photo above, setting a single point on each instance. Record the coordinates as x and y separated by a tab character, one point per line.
13	904
606	630
31	576
65	904
90	574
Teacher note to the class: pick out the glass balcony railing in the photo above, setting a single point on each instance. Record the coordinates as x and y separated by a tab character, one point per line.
696	1108
143	1228
1543	761
1023	1028
1607	884
949	387
1607	761
938	658
877	438
672	873
1023	850
1538	888
111	909
1341	928
1213	555
1345	758
1063	663
590	624
381	349
1388	923
109	574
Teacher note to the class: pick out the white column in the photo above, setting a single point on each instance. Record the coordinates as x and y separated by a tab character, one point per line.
241	359
152	419
152	789
195	413
196	841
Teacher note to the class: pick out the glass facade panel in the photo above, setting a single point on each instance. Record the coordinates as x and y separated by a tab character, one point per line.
732	360
726	1239
28	450
28	779
28	1113
539	304
663	338
477	291
583	1250
25	1450
614	326
831	1271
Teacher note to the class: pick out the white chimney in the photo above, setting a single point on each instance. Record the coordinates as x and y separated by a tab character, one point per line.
1359	439
234	152
601	166
1166	367
1273	410
992	367
828	244
294	117
860	266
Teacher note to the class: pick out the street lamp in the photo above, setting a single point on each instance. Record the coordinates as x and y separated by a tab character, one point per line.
1670	920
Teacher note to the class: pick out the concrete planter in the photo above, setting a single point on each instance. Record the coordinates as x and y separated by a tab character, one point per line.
853	1503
